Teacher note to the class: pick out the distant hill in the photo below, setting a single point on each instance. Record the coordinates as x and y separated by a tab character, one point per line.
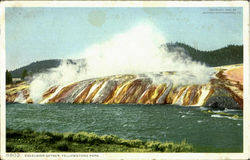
41	66
231	54
36	67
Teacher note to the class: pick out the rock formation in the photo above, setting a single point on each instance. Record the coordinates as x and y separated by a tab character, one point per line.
224	90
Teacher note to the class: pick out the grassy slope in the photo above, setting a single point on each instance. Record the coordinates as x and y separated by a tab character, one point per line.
30	141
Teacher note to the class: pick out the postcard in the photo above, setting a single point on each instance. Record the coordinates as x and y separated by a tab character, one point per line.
125	80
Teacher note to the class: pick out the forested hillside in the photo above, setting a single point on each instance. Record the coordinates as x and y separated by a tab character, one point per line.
36	67
231	54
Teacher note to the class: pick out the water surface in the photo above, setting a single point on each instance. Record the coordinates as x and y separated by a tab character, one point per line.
145	122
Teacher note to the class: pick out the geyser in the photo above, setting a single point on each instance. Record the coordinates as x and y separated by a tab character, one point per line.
137	50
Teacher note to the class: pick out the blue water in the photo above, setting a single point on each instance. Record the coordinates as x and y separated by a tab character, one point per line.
145	122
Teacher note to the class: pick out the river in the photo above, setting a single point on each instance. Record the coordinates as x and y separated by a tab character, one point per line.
145	122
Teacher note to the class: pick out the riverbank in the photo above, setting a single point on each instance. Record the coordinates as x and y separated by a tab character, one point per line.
30	141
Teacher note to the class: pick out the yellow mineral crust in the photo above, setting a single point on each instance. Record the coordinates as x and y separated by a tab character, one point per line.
157	93
235	74
140	89
174	94
49	92
91	96
192	95
122	95
13	91
61	94
146	98
83	95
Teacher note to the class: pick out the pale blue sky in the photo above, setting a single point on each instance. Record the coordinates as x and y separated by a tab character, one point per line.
34	34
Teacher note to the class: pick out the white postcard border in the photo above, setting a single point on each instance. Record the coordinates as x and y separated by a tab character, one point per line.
34	156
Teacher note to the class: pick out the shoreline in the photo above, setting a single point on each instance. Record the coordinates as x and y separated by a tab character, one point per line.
28	140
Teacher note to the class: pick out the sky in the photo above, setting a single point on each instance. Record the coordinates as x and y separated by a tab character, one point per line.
34	34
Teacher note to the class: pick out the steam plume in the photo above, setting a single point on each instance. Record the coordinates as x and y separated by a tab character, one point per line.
137	50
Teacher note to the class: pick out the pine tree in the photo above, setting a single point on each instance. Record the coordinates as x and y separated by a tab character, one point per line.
24	74
8	77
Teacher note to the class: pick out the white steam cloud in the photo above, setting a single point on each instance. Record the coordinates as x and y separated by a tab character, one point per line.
137	50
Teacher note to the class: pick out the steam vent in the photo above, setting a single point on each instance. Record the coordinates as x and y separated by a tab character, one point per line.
224	90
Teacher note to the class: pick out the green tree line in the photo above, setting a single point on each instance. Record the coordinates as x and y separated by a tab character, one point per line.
231	54
9	78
